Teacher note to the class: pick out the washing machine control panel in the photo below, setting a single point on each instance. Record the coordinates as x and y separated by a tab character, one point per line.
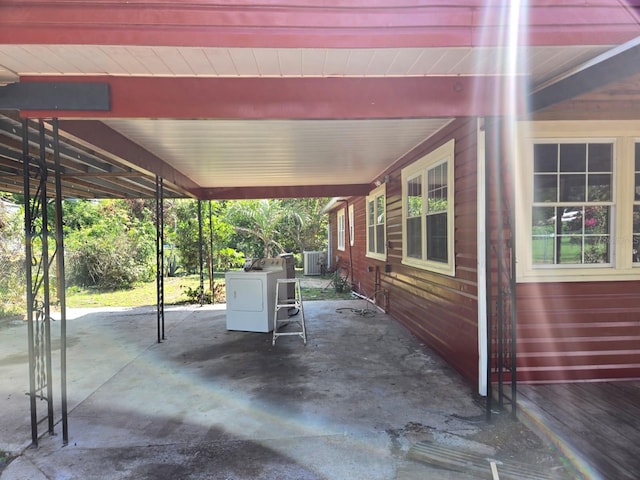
277	264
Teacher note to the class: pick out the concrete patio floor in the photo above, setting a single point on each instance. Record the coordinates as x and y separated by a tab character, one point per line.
212	403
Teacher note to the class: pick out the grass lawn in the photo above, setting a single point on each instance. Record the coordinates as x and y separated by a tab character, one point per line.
175	289
144	294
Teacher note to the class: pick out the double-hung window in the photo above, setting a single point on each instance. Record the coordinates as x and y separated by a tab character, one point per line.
376	223
578	201
635	250
341	229
428	211
573	207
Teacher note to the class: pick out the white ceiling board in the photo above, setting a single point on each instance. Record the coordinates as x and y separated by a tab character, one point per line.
541	62
252	153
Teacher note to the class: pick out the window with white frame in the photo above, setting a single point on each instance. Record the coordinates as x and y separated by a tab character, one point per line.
572	203
635	251
376	223
351	226
341	229
578	197
428	211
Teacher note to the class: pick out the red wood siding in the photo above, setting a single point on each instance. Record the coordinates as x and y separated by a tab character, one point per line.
578	331
440	310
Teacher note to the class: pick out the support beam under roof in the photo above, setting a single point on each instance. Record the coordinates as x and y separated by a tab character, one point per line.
293	98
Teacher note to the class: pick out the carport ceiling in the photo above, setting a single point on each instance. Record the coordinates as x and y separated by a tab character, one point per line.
279	98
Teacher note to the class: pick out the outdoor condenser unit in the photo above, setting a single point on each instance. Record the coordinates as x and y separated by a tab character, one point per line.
314	262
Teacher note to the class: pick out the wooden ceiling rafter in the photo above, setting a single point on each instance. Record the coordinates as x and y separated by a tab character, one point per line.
83	170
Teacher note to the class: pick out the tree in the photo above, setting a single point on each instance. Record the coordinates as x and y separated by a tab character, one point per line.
12	280
216	232
262	220
106	246
308	229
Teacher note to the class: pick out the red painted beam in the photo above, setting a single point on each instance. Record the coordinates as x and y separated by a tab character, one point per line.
298	24
297	191
291	98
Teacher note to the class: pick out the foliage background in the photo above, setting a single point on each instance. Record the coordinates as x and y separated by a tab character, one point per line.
110	245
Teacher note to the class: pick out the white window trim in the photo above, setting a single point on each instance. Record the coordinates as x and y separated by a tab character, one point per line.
623	135
351	225
381	190
444	153
341	233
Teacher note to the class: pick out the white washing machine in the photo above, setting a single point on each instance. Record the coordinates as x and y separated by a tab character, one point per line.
251	295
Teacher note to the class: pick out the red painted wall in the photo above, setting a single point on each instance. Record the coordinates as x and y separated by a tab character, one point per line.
578	331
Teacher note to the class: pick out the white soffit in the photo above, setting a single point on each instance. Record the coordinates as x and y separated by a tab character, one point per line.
252	153
542	63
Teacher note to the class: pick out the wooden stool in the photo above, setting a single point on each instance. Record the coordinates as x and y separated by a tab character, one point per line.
282	285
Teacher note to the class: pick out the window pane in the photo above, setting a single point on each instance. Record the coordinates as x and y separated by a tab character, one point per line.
543	235
543	253
437	189
596	220
437	237
571	220
372	238
545	158
414	197
380	209
635	247
573	157
414	237
380	238
545	188
569	249
636	233
600	157
543	219
596	249
599	188
572	188
372	212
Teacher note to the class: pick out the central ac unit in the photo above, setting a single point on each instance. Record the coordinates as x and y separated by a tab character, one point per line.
314	263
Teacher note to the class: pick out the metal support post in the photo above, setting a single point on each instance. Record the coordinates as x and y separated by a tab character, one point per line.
61	283
201	256
160	256
37	279
500	235
211	278
46	307
488	228
28	235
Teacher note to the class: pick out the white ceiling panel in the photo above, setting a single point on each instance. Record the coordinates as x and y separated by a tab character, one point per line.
244	61
542	63
251	153
290	62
